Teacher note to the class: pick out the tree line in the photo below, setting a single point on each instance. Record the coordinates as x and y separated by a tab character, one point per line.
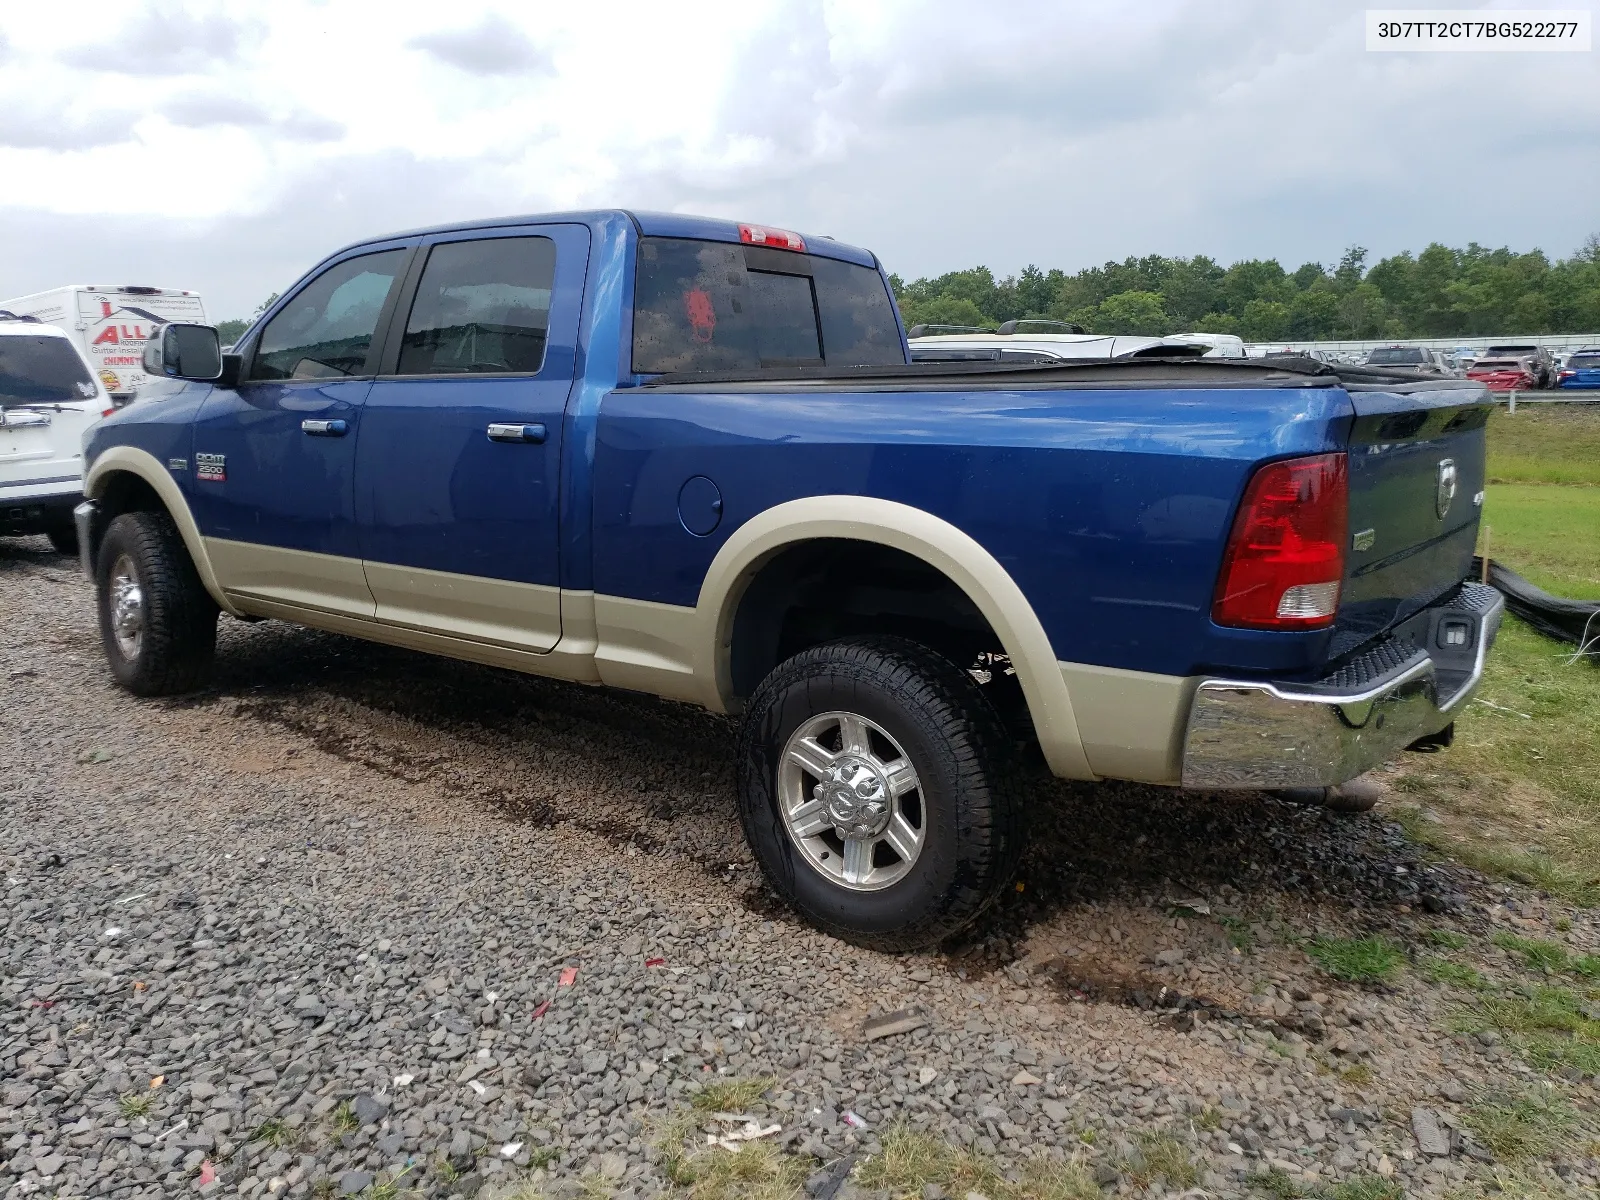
1442	292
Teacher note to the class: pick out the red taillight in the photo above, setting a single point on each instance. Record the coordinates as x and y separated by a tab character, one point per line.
108	412
1285	558
778	239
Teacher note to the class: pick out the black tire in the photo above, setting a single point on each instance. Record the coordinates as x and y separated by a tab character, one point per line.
953	738
64	539
178	633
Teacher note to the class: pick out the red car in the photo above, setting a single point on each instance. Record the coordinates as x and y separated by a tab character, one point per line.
1504	374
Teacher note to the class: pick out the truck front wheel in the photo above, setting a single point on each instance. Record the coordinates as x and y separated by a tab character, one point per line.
872	791
158	623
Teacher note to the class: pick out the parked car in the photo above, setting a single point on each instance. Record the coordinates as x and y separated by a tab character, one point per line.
1581	370
1504	374
1218	345
690	457
1014	347
1538	359
1411	358
111	324
48	398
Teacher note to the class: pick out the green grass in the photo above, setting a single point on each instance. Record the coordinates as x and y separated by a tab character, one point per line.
732	1095
1442	970
389	1189
135	1105
1547	534
1545	443
911	1160
756	1171
1359	1187
1237	930
1366	1187
1520	796
274	1133
1359	960
1519	792
1448	938
1277	1183
1165	1159
1537	1010
1518	1127
1536	955
1550	1026
344	1118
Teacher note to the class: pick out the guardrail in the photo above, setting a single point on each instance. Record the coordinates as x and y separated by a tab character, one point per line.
1551	396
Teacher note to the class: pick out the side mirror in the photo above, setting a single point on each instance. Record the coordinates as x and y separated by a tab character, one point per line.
180	351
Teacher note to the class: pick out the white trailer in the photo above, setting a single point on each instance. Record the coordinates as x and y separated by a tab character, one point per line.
110	325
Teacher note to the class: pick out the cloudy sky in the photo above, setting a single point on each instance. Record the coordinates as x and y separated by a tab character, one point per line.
226	147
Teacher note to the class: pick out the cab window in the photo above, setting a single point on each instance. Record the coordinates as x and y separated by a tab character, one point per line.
326	329
482	307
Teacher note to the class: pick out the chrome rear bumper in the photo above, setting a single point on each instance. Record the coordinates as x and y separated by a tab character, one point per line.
1259	734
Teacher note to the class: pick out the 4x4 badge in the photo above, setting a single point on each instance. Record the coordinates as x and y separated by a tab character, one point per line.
1447	486
211	468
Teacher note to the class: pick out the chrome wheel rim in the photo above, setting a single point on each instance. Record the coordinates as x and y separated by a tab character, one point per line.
127	607
851	801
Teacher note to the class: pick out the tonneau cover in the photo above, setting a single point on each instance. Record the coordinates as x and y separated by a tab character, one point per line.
1117	372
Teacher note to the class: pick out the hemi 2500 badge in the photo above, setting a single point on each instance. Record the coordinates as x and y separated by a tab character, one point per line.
211	468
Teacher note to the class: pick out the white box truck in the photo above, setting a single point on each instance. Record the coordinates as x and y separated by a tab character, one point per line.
110	325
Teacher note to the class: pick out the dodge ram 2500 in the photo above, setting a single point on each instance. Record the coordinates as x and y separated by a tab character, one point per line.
690	457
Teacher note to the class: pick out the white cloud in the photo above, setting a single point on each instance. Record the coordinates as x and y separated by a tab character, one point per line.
161	41
1059	133
494	46
204	110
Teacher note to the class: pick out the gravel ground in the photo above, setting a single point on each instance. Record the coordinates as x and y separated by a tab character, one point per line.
355	914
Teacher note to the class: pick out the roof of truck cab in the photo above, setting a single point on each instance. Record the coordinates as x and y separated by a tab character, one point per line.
649	224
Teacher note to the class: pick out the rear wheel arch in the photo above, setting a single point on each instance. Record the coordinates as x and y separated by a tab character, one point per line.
128	479
766	546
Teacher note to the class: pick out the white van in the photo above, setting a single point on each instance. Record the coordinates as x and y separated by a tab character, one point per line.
48	400
110	325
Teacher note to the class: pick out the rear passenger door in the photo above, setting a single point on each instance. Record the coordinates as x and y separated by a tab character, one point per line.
458	465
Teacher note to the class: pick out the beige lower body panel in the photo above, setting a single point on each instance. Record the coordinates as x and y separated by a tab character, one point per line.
578	667
520	616
1132	723
250	573
647	647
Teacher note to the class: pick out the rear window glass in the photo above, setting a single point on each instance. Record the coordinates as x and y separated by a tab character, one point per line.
713	306
38	369
1587	362
1499	351
1396	357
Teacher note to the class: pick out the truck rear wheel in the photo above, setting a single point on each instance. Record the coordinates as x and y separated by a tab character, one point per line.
872	791
157	621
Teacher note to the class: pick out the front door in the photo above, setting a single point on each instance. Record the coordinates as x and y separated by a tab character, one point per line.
271	482
458	466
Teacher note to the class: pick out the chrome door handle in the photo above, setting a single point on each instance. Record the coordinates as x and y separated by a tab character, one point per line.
516	433
324	428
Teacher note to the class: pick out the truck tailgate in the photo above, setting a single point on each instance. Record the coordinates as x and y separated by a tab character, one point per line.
1416	492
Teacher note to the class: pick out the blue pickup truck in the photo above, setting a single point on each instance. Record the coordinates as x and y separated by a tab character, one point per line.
690	457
